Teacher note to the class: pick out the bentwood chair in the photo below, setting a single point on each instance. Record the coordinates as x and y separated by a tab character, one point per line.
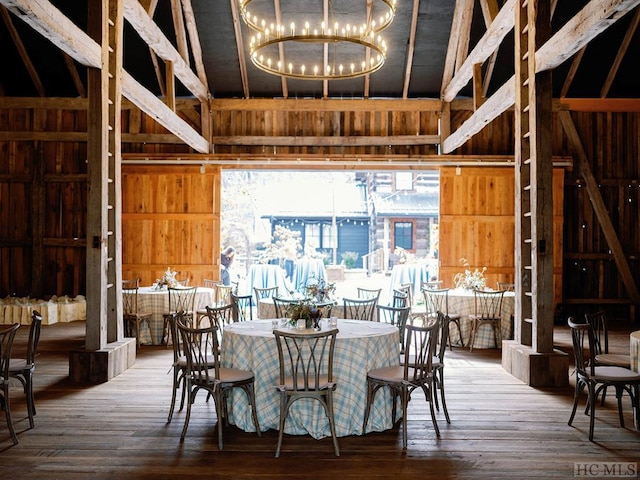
488	311
400	299
598	321
204	372
406	288
306	372
268	292
438	363
22	369
132	315
179	365
437	300
368	293
595	377
431	285
7	335
223	294
396	316
416	371
360	308
280	305
242	307
181	299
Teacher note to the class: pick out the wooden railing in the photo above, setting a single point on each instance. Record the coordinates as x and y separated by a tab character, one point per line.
373	261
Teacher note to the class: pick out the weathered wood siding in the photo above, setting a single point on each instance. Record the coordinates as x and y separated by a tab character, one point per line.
170	218
477	224
43	192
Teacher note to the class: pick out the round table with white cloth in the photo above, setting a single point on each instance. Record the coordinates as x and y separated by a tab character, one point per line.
360	346
157	302
54	310
462	302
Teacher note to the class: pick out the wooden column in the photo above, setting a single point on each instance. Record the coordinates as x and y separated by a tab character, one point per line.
106	353
531	356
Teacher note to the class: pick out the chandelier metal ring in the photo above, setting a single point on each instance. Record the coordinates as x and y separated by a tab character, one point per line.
268	36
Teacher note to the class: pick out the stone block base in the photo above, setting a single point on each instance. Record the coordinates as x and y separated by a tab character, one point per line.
535	369
100	366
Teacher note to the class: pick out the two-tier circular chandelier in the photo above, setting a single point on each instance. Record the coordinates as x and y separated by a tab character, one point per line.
331	45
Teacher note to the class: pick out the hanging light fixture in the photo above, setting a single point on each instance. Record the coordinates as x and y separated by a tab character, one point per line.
323	48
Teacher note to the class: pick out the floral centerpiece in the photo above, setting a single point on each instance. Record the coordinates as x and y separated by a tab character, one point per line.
469	280
168	279
305	309
320	290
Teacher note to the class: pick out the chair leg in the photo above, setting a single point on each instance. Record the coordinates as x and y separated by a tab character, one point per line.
283	416
472	336
332	423
7	413
576	395
31	406
440	387
592	412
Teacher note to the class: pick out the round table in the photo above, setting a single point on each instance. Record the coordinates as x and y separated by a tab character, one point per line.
157	302
307	271
360	346
408	273
267	276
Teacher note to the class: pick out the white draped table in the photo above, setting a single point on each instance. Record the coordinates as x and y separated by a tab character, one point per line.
360	347
54	310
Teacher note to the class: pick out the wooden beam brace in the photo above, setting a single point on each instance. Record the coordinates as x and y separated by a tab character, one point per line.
43	17
490	41
136	15
599	207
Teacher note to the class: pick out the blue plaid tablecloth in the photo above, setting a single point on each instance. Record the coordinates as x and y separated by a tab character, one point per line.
360	346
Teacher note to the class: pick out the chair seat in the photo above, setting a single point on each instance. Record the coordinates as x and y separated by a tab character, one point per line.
615	374
613	359
323	383
394	373
18	365
234	375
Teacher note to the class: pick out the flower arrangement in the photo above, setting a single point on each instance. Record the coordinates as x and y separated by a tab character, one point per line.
320	290
168	279
470	280
305	309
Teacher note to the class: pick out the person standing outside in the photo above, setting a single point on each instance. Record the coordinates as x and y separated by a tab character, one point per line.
226	259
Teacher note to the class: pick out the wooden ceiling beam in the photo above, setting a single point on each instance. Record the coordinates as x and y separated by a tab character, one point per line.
622	51
593	19
240	46
194	39
46	19
136	15
410	48
326	141
489	43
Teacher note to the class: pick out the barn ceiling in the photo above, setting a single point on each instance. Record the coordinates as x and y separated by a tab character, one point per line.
418	41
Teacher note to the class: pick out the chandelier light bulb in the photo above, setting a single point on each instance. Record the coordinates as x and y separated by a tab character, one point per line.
353	41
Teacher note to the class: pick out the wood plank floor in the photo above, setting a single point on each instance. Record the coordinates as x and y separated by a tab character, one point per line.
499	428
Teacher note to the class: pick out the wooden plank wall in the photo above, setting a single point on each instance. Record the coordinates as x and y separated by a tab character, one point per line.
170	218
611	143
477	223
43	190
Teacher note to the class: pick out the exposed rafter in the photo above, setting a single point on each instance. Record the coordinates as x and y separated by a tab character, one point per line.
593	19
43	17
